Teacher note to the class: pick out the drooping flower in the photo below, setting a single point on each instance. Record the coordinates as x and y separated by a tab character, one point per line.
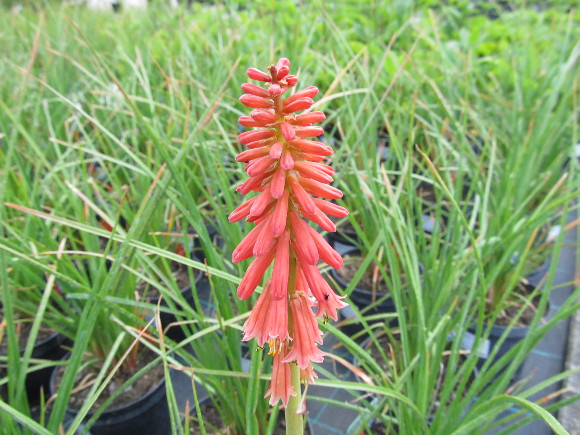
281	384
286	172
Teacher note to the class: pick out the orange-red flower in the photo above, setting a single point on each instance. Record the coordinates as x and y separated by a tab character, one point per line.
284	170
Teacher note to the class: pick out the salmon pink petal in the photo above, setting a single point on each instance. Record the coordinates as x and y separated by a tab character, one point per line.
325	251
312	147
301	284
301	196
317	188
261	143
276	150
309	131
255	273
261	202
252	184
328	301
283	61
328	306
328	170
330	208
309	170
291	80
274	90
281	383
246	247
308	92
304	243
241	211
280	215
256	74
282	72
287	161
288	131
309	156
321	219
265	116
278	183
306	332
248	121
257	324
300	252
263	216
310	118
255	90
260	165
268	319
281	268
278	320
254	135
265	238
256	102
246	156
295	106
308	375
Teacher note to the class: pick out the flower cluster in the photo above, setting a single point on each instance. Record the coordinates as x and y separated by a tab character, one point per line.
285	170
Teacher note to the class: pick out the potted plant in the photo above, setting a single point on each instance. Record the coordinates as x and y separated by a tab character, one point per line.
374	273
25	335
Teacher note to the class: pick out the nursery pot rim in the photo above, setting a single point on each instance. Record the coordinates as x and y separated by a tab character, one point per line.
516	330
136	405
198	277
353	251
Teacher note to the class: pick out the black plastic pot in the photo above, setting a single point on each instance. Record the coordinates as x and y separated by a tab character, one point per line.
147	415
346	237
176	333
363	299
215	238
486	347
205	400
536	277
50	349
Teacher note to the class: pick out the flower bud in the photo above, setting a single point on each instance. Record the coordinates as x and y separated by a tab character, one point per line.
256	74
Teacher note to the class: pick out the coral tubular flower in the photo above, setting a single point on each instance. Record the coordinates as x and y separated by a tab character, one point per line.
285	169
281	385
268	320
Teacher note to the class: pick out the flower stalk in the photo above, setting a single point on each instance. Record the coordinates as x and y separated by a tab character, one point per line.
286	171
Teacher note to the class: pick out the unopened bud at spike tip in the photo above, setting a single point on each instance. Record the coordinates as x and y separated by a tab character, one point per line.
274	90
291	80
256	74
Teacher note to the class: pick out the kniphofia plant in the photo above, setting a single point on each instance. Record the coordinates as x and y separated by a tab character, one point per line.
285	170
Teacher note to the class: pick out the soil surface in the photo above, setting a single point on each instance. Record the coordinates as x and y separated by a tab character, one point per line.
514	304
390	346
138	389
214	424
426	191
180	275
370	281
23	328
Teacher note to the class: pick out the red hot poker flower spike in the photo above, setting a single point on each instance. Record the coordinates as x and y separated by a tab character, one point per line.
285	169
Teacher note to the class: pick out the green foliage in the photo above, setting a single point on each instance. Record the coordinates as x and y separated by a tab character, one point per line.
118	139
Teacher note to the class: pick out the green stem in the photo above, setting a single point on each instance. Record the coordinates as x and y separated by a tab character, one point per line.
294	422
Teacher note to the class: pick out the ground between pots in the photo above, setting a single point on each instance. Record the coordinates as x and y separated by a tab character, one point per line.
215	425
